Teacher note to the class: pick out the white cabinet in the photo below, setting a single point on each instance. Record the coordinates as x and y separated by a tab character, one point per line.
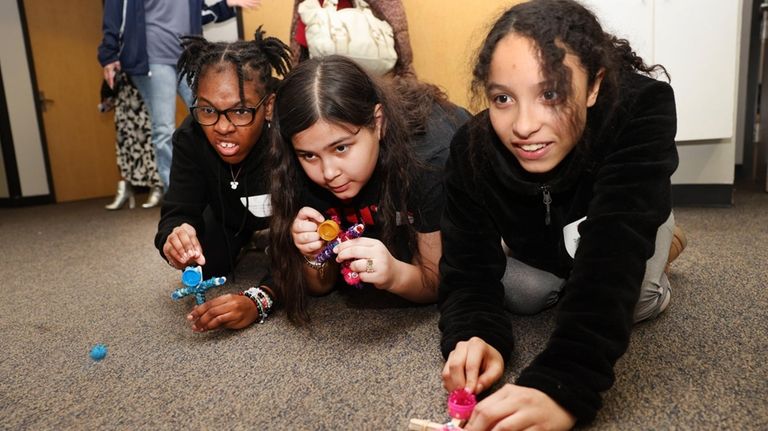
627	19
697	41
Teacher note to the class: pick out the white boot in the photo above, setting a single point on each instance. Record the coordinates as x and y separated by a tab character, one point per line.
124	193
154	199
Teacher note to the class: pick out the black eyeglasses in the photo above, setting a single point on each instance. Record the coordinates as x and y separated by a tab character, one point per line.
239	117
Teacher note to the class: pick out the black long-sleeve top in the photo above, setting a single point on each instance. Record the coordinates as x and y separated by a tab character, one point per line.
199	178
619	178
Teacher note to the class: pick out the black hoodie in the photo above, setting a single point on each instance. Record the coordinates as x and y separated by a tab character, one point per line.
199	178
621	184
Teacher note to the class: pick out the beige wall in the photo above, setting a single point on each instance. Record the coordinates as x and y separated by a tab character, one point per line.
444	35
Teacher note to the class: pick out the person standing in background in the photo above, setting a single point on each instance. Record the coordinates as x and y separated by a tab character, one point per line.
133	140
141	38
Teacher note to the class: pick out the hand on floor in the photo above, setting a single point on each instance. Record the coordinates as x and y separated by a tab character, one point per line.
225	311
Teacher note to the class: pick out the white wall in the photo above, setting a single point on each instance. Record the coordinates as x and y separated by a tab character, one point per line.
21	103
698	42
710	157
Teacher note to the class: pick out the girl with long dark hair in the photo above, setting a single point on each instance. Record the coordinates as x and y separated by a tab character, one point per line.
342	149
559	191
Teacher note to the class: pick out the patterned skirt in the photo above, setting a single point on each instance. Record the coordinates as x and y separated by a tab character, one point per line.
135	153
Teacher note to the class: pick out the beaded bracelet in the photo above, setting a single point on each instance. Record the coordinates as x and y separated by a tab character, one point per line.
259	306
262	300
262	314
242	293
266	301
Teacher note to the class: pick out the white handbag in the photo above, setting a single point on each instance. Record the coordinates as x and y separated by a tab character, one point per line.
353	32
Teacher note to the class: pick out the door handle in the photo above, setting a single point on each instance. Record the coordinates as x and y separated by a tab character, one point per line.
42	101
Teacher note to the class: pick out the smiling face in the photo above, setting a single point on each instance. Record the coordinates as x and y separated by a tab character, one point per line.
218	88
527	114
339	157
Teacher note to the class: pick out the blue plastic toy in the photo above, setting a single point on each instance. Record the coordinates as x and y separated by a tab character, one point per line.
98	352
192	277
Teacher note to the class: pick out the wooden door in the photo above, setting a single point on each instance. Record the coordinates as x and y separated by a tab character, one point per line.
63	38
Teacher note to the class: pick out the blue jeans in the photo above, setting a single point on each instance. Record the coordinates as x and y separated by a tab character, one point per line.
158	89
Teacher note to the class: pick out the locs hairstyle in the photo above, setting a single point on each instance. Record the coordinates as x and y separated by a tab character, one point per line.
253	60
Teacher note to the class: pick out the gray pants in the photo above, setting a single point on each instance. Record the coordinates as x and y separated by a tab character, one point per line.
528	290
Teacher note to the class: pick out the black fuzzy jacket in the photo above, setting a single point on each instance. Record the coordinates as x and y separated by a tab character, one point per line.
619	178
199	178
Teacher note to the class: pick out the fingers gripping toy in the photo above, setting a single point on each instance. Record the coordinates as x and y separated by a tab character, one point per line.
192	277
330	231
461	403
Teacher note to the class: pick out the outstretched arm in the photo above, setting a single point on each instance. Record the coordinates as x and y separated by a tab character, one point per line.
184	202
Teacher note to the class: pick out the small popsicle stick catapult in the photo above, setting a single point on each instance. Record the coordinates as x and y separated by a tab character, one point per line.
461	403
192	278
330	231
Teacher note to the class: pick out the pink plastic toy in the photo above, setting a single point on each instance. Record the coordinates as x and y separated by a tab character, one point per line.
461	403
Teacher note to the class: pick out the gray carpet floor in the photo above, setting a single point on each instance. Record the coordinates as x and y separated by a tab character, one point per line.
74	275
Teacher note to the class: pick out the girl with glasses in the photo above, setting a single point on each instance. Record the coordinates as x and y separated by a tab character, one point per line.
218	194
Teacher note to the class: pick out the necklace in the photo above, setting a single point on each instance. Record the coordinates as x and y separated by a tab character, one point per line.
234	183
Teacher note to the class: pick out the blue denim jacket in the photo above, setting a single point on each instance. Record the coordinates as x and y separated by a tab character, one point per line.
131	48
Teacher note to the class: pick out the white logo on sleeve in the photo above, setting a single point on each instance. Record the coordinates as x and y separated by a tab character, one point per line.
571	236
260	206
